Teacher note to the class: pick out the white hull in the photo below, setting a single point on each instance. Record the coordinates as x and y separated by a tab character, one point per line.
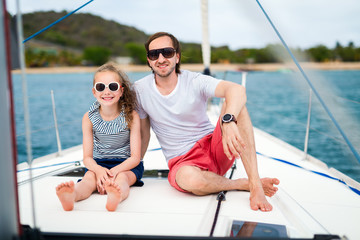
306	203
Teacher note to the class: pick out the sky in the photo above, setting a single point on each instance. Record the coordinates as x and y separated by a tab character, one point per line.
235	23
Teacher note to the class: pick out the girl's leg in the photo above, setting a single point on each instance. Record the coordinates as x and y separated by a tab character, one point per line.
68	192
118	190
86	186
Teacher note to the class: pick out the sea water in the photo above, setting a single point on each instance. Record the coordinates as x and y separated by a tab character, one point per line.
277	102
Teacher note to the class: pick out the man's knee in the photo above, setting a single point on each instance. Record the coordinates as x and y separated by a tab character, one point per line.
190	178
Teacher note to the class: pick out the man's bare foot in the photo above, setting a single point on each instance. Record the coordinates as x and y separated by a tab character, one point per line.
258	200
257	195
268	186
114	195
66	194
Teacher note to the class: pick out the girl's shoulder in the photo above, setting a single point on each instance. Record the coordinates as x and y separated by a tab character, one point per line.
94	107
94	110
86	122
86	115
135	113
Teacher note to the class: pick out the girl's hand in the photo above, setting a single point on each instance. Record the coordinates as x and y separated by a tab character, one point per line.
115	171
102	175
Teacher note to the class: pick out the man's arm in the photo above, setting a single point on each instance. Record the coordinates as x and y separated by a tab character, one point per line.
145	135
234	94
235	99
238	139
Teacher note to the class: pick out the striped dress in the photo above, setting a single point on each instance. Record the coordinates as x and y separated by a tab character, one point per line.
111	138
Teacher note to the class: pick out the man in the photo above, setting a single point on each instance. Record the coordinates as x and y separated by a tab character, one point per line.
173	103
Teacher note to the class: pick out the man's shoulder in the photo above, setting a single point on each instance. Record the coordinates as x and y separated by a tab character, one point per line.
146	78
197	77
143	81
189	74
190	77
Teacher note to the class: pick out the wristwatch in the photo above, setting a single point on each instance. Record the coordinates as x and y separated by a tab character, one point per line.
228	118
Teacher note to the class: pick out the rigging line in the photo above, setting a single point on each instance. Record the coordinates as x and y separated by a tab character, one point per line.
52	165
313	171
357	156
19	28
339	97
71	162
349	100
154	149
221	197
59	20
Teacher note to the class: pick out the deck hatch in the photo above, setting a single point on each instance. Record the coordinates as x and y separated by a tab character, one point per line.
256	229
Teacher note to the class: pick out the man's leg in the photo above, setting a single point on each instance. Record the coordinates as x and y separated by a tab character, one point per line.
200	182
248	157
191	178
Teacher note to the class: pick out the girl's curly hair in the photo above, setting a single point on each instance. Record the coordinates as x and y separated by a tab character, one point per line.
128	101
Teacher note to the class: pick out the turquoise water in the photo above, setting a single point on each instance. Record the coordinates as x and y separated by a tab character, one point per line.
277	103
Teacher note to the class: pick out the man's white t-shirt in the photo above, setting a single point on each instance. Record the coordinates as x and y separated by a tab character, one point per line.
179	119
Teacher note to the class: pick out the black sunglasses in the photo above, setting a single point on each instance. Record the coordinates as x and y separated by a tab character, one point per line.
99	86
166	52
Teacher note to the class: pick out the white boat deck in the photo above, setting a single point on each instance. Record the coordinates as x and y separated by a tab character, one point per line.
306	203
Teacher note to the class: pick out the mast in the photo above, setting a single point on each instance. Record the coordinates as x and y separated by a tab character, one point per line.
9	212
205	46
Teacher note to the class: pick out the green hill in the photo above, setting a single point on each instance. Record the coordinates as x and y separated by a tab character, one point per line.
82	30
84	36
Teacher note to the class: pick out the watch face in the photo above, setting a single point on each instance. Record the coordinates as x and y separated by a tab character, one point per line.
227	117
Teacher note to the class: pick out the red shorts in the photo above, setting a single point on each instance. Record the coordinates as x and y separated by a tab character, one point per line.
207	154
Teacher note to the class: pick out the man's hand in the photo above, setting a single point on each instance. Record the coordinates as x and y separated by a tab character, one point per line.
233	144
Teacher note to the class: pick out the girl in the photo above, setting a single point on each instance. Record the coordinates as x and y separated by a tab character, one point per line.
111	142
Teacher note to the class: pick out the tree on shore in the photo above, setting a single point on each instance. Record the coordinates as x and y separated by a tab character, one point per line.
88	39
96	55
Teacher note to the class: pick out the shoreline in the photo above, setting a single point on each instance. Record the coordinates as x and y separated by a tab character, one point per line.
200	67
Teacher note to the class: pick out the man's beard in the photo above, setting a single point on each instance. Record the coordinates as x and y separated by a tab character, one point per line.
165	74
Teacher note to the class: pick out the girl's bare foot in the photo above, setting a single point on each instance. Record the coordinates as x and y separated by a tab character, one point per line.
114	195
66	194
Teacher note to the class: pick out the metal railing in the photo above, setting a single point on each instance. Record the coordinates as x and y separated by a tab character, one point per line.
306	143
55	126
